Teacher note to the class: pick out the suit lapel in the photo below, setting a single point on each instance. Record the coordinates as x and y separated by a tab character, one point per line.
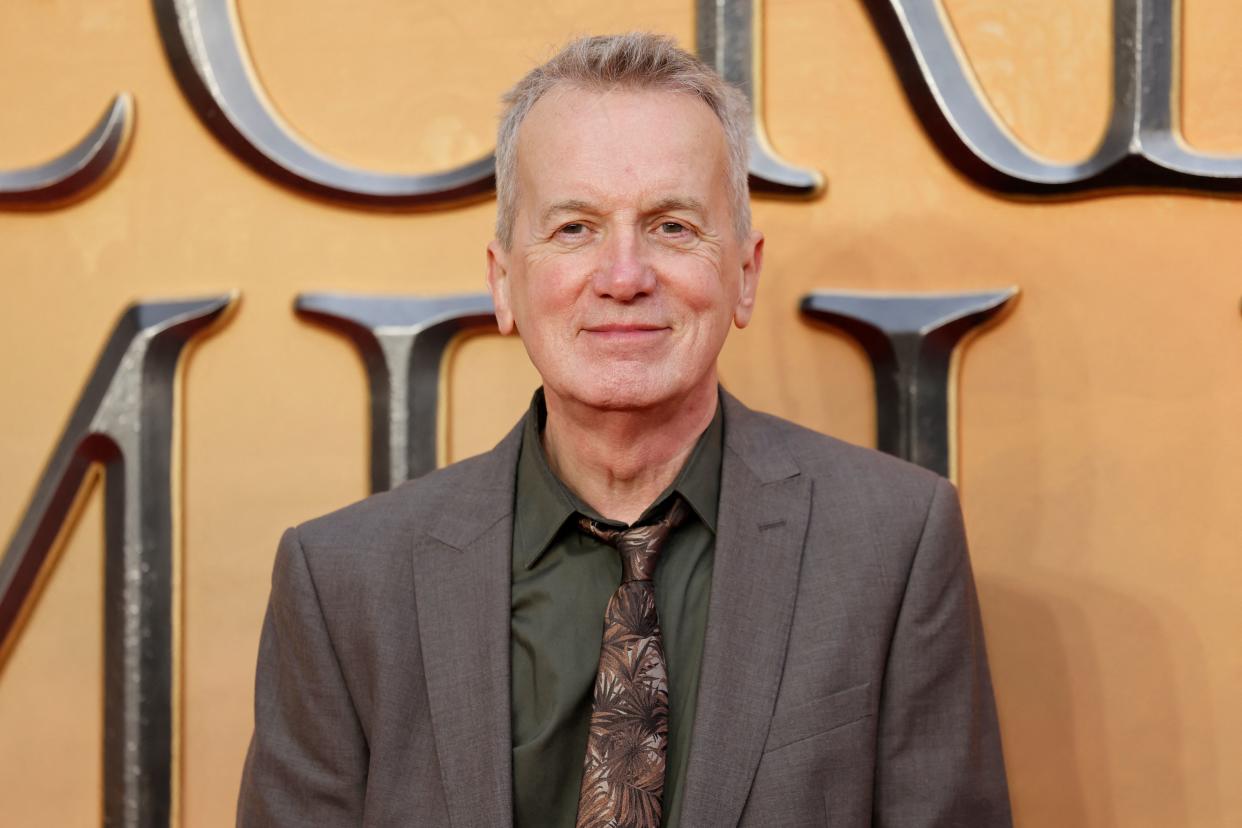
462	592
764	508
461	587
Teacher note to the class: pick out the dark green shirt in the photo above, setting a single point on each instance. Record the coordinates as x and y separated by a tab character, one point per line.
562	580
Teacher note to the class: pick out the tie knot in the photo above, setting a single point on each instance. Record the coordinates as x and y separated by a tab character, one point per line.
639	545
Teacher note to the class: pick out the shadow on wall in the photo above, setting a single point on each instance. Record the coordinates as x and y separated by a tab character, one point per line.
1102	681
1093	686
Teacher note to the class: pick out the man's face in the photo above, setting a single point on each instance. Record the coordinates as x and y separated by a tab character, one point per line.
625	270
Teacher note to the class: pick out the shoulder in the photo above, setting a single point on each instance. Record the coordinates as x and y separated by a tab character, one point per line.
864	505
869	512
410	505
357	562
877	473
372	538
862	474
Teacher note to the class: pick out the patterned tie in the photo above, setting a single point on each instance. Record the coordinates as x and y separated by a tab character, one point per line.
623	773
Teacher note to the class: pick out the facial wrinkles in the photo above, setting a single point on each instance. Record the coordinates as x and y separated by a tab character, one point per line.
610	152
601	224
626	236
624	218
554	268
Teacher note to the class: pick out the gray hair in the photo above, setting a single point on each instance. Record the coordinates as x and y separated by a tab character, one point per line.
636	60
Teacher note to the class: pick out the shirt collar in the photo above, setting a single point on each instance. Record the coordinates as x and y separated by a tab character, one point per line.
544	503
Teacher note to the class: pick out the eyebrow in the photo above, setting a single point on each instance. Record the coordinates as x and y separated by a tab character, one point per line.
573	205
673	203
664	205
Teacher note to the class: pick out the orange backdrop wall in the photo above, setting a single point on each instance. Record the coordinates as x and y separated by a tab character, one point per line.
1100	451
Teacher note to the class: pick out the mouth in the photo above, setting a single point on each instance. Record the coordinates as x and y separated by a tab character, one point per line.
624	328
625	337
622	334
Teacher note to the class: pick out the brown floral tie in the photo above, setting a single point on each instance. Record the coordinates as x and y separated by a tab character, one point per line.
623	773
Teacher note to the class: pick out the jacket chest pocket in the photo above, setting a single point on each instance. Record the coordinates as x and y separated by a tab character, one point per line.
819	715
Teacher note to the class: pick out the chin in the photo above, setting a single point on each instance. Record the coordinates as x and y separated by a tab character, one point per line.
615	398
626	391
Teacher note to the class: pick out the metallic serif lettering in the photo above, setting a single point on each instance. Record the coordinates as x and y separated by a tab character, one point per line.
726	39
80	169
210	60
402	341
913	342
125	421
1141	146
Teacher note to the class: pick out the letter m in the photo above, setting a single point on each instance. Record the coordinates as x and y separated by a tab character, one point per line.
124	420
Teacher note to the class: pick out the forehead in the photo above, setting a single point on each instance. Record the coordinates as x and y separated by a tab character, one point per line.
620	145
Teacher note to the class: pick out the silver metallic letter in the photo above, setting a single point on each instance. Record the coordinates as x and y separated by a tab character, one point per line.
209	58
124	420
726	35
913	343
1141	147
79	169
402	341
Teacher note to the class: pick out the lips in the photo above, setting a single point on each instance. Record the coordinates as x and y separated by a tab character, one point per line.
624	328
626	335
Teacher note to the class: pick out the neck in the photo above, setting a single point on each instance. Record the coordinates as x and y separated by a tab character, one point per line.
618	462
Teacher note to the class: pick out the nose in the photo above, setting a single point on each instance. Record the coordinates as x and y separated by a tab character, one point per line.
624	272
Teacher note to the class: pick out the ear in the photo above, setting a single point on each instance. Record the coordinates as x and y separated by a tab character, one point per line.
752	263
498	284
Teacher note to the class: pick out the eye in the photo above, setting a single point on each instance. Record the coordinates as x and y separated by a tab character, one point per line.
574	228
672	228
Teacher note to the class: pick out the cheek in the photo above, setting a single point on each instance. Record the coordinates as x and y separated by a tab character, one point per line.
545	303
701	283
710	296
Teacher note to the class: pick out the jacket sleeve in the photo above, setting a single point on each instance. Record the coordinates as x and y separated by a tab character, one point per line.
307	760
939	759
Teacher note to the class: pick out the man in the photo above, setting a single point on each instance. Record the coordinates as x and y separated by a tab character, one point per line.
786	632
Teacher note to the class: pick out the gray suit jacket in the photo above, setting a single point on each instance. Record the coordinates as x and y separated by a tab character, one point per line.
843	681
